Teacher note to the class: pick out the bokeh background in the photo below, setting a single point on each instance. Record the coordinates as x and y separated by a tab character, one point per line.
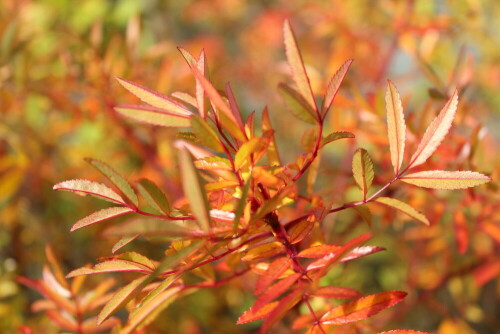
57	62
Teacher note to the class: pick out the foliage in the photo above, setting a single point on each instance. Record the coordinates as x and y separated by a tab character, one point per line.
236	209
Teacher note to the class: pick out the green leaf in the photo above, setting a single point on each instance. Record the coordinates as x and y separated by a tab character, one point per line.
118	180
121	298
153	196
238	213
440	179
155	99
194	190
99	216
362	170
86	187
206	135
297	105
153	116
336	136
403	207
296	63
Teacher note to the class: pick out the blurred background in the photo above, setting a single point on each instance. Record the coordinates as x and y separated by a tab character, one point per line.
57	62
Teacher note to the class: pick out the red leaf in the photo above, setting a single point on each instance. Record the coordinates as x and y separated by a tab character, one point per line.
403	331
276	268
252	315
362	308
336	292
318	251
281	309
276	290
358	252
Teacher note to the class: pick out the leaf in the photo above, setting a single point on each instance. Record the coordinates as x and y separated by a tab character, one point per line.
253	315
296	63
334	85
194	189
150	310
153	116
242	157
275	269
272	149
272	204
435	133
124	241
440	179
153	196
358	252
85	187
396	126
335	136
318	251
297	105
206	134
281	309
238	213
362	308
403	207
118	180
336	292
263	251
276	290
300	231
364	213
362	170
403	331
110	266
121	298
99	216
153	98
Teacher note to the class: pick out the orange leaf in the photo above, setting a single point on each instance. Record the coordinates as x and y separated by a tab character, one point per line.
334	85
296	63
252	315
318	251
403	331
281	309
461	231
263	251
395	125
276	290
298	232
275	269
336	292
362	308
435	133
360	252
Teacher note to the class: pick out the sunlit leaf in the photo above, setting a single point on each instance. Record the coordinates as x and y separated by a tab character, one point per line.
318	251
284	305
395	125
252	315
403	331
334	85
264	251
272	150
242	156
206	134
335	136
440	179
85	187
153	116
124	241
119	181
153	195
362	170
153	98
99	216
299	231
296	63
110	266
276	290
435	133
194	189
362	308
238	213
336	292
403	207
272	204
297	105
358	252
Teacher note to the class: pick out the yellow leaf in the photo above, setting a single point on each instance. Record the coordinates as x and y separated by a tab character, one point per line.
435	132
263	251
362	170
194	189
99	216
395	125
440	179
297	66
86	187
154	98
334	85
153	116
243	155
403	207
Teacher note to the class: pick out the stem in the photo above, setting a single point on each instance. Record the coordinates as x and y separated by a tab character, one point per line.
314	153
316	320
